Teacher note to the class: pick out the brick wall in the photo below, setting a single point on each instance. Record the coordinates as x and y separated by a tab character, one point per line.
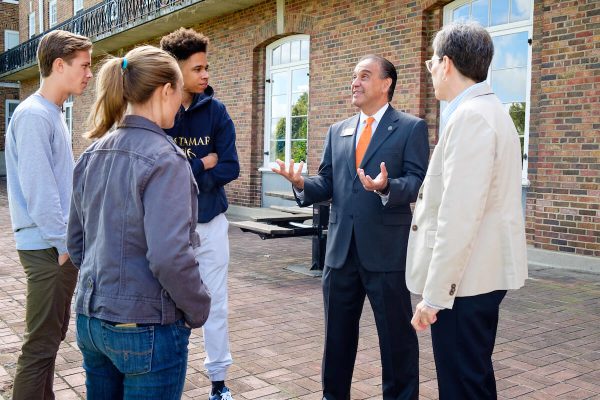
562	204
340	33
9	20
564	163
5	94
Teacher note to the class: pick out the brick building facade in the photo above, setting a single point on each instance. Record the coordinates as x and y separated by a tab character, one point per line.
9	91
560	95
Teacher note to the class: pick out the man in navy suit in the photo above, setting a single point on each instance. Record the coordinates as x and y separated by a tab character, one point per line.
368	229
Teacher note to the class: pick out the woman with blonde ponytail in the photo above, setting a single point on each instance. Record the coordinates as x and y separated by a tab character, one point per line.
131	234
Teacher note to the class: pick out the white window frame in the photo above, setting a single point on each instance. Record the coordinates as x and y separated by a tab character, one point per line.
52	13
68	105
41	15
267	164
31	24
7	34
77	6
11	1
7	117
505	29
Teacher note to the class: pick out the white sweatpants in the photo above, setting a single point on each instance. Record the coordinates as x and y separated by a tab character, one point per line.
213	259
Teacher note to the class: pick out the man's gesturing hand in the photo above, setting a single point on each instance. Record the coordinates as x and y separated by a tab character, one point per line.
291	174
379	183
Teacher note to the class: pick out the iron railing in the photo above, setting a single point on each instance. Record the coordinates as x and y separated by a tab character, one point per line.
97	22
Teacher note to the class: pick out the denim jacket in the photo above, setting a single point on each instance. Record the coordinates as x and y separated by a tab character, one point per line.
131	229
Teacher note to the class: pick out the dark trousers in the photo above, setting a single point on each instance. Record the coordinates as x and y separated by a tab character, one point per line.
49	291
463	342
344	293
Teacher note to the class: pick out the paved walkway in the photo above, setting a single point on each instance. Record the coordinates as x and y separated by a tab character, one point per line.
548	343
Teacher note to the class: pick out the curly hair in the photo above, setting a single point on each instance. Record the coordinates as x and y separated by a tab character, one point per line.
183	42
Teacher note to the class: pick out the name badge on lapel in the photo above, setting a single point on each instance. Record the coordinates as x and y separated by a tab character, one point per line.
347	132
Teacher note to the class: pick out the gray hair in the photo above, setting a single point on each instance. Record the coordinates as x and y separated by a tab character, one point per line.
468	45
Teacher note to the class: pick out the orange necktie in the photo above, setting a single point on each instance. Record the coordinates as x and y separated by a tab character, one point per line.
363	141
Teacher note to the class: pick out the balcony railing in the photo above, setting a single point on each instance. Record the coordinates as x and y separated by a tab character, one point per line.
96	22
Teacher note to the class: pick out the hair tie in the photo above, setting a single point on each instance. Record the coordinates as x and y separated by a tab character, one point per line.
124	63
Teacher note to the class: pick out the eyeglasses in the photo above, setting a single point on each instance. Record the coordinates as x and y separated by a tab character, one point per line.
429	63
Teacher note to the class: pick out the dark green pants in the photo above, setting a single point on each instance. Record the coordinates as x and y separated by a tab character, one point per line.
49	291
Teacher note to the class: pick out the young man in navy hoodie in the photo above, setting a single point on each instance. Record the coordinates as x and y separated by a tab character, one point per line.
205	132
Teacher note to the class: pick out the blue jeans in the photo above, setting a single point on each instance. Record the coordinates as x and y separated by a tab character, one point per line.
147	362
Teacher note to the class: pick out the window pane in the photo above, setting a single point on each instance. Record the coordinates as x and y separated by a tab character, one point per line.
277	150
12	39
278	129
517	113
295	51
285	53
280	82
12	107
520	10
300	104
279	106
304	50
499	12
298	150
69	118
299	127
300	80
510	85
461	13
78	5
479	11
276	56
510	51
32	24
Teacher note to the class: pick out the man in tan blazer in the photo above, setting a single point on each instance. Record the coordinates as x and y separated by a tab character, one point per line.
467	240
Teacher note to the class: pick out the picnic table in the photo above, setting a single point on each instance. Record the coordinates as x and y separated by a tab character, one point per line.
289	221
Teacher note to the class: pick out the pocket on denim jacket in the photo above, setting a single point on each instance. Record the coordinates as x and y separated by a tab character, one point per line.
129	349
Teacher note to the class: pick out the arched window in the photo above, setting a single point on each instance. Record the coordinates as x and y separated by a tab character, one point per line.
509	22
286	98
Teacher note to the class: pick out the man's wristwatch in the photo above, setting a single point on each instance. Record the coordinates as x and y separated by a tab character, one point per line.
385	191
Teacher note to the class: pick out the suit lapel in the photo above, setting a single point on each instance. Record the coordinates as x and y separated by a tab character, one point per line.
387	126
349	143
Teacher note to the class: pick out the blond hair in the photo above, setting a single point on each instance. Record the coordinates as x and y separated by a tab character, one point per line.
59	44
129	80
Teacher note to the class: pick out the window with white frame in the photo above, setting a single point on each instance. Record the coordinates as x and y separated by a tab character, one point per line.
287	99
509	22
52	13
9	108
11	39
41	16
11	1
32	24
77	6
68	113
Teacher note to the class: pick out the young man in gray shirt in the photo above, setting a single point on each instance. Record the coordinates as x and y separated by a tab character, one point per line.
39	169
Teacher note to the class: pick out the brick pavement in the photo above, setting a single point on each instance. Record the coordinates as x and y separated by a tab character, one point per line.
548	343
